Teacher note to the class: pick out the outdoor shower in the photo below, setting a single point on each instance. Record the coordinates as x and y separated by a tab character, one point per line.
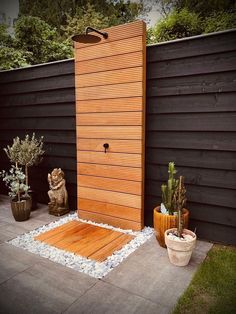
88	38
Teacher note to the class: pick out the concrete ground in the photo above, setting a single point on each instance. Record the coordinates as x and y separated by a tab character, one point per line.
143	283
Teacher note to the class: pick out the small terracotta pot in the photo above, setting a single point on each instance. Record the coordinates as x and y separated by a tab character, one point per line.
21	210
180	252
163	222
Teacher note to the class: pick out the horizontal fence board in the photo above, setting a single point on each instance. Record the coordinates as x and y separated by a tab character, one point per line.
215	102
214	232
194	46
108	49
117	62
193	122
192	66
54	136
196	176
115	146
215	141
110	105
39	97
116	172
199	194
192	158
47	110
57	82
110	91
115	159
120	76
121	118
113	210
113	132
35	72
195	84
111	197
44	123
110	184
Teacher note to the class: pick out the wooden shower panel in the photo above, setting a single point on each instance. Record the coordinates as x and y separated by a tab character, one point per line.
110	81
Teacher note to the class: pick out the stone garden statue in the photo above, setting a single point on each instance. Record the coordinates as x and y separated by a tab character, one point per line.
58	204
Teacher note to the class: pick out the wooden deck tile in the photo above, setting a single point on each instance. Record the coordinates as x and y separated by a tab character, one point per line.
85	239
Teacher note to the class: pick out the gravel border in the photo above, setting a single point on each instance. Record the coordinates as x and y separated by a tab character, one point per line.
85	265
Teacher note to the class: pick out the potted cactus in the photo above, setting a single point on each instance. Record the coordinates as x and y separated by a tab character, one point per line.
180	242
165	215
26	152
15	181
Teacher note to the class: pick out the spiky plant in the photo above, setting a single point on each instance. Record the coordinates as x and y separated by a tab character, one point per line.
180	201
168	190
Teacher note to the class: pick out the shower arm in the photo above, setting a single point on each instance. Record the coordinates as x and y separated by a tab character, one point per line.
104	34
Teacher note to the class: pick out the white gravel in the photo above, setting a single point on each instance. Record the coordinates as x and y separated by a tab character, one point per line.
79	263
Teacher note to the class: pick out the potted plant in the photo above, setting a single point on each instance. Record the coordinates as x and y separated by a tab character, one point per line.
26	152
15	181
165	215
180	242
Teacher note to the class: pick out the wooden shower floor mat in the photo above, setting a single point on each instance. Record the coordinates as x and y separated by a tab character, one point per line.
85	240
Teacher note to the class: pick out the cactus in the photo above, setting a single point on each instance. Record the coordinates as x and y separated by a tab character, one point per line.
169	189
180	200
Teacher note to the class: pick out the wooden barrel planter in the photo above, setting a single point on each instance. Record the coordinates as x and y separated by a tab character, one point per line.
21	210
164	222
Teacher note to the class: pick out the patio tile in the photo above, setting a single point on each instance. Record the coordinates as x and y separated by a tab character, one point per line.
14	260
148	272
6	235
44	288
105	298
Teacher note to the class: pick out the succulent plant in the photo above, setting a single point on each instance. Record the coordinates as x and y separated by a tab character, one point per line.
180	199
168	190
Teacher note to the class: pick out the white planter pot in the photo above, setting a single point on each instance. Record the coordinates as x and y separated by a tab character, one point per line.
180	252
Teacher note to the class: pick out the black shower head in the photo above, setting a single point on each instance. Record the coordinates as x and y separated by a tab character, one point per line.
88	38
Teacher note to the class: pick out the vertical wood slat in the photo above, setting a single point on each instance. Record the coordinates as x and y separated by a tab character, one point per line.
110	106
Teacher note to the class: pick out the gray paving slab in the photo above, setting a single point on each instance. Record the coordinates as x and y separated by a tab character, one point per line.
106	298
148	273
14	260
43	288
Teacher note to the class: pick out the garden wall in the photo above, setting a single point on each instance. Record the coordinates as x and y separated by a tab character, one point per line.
41	99
191	119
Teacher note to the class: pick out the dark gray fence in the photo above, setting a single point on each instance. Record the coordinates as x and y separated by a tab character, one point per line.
41	99
191	120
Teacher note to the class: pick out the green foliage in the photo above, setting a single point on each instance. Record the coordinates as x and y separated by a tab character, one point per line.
56	12
220	21
178	24
15	181
84	16
168	190
41	40
184	18
10	56
213	287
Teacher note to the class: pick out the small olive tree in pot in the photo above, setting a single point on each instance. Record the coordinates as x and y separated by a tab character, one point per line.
26	152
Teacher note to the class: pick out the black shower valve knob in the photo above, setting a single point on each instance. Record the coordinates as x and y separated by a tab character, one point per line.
106	146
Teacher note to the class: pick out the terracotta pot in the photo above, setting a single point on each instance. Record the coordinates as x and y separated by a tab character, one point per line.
180	252
163	222
21	210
